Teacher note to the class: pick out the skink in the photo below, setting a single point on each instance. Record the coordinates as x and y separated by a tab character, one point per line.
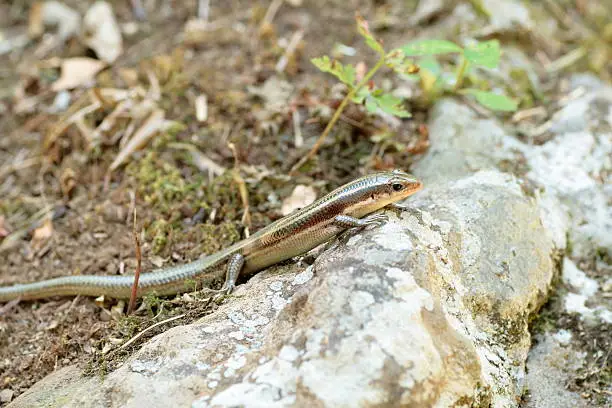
350	206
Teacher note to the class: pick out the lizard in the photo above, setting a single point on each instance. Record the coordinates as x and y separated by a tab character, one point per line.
353	205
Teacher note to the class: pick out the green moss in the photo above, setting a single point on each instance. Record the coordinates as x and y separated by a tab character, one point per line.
158	234
170	135
191	285
480	8
102	369
153	303
524	88
569	246
160	183
213	238
11	206
127	326
547	319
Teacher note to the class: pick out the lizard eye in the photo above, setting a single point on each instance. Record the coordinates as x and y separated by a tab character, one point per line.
397	186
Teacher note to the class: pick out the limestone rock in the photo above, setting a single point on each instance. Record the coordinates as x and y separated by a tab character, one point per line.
461	144
430	309
551	363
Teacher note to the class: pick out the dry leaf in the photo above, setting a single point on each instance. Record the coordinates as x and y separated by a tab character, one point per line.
77	72
67	20
201	161
4	231
153	123
117	310
157	261
201	108
427	10
129	76
102	33
68	181
275	92
299	198
41	235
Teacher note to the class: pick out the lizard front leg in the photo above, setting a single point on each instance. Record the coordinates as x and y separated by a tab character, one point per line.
346	221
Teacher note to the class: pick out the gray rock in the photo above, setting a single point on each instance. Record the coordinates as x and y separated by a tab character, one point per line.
426	10
569	176
507	15
430	309
6	395
576	164
551	364
461	143
574	167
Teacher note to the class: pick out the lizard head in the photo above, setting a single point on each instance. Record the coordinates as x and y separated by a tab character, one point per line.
377	190
394	186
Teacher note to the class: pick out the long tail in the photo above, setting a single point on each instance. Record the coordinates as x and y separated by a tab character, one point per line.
182	278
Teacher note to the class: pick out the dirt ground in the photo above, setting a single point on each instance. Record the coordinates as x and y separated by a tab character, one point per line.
62	193
62	212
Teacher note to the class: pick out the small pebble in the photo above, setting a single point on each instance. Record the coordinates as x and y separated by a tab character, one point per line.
61	101
6	395
105	315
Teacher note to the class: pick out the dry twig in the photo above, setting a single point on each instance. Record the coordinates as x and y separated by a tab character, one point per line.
271	12
293	43
138	268
244	193
139	335
151	126
201	161
336	116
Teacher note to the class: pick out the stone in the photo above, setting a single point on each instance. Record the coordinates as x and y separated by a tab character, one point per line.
461	143
507	15
551	363
576	163
430	309
6	395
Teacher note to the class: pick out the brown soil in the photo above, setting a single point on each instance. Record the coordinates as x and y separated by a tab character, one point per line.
91	224
61	212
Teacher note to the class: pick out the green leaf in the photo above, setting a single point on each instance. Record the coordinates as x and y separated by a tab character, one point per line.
430	64
387	103
370	104
492	100
348	75
429	47
345	73
364	31
362	93
485	54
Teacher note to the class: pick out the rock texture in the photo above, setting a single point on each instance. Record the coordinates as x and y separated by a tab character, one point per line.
430	309
574	168
569	174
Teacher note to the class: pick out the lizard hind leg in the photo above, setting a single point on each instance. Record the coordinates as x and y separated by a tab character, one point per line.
234	266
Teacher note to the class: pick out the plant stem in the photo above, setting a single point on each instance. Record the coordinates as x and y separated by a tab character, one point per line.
460	74
337	114
134	293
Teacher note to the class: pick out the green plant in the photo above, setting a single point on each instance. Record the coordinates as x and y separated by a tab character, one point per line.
433	80
363	90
